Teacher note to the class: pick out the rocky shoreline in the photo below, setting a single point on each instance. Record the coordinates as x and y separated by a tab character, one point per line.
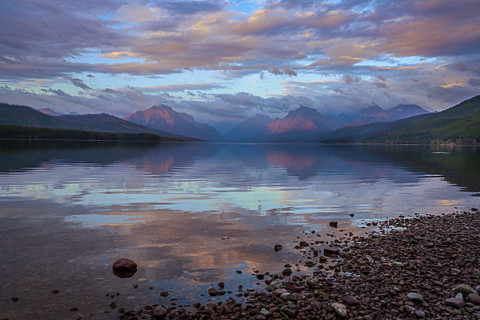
408	268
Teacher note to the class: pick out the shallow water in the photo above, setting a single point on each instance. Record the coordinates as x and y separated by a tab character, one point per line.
192	215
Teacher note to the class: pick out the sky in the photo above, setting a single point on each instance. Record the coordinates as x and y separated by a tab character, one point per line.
224	61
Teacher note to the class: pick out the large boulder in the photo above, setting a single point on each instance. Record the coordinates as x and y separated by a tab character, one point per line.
124	268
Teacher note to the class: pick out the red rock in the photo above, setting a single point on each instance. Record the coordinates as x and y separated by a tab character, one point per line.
124	268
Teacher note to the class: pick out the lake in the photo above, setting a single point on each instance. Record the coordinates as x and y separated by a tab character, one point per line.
193	215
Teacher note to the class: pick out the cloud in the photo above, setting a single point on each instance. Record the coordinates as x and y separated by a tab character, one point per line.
474	82
78	83
125	44
182	87
349	79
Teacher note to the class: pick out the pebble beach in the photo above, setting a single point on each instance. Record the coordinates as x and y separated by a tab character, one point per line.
422	267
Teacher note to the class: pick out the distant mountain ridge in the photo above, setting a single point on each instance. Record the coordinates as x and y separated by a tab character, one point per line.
458	124
23	116
306	124
249	129
374	114
166	119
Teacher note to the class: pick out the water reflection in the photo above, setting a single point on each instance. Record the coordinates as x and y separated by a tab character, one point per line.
193	214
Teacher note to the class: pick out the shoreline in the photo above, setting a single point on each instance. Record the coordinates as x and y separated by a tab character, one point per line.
409	268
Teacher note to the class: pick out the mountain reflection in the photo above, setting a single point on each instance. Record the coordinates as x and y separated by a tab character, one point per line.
459	165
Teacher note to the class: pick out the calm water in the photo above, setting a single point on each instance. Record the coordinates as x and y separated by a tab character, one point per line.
192	215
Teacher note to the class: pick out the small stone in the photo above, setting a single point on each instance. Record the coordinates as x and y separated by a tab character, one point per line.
74	309
113	305
454	302
213	292
464	289
474	298
350	300
264	312
339	309
333	224
160	313
287	296
277	247
420	314
134	285
287	272
303	244
164	294
330	251
415	297
55	291
14	299
288	312
459	296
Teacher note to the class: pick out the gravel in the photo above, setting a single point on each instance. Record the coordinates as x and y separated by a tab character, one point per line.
408	268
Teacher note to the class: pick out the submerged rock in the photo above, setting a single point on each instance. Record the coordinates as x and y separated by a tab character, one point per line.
278	247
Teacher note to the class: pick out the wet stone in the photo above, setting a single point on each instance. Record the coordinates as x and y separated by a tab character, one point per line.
333	224
287	272
124	268
160	313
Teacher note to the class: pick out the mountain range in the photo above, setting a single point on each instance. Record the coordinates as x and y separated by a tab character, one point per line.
166	119
401	124
23	116
307	124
